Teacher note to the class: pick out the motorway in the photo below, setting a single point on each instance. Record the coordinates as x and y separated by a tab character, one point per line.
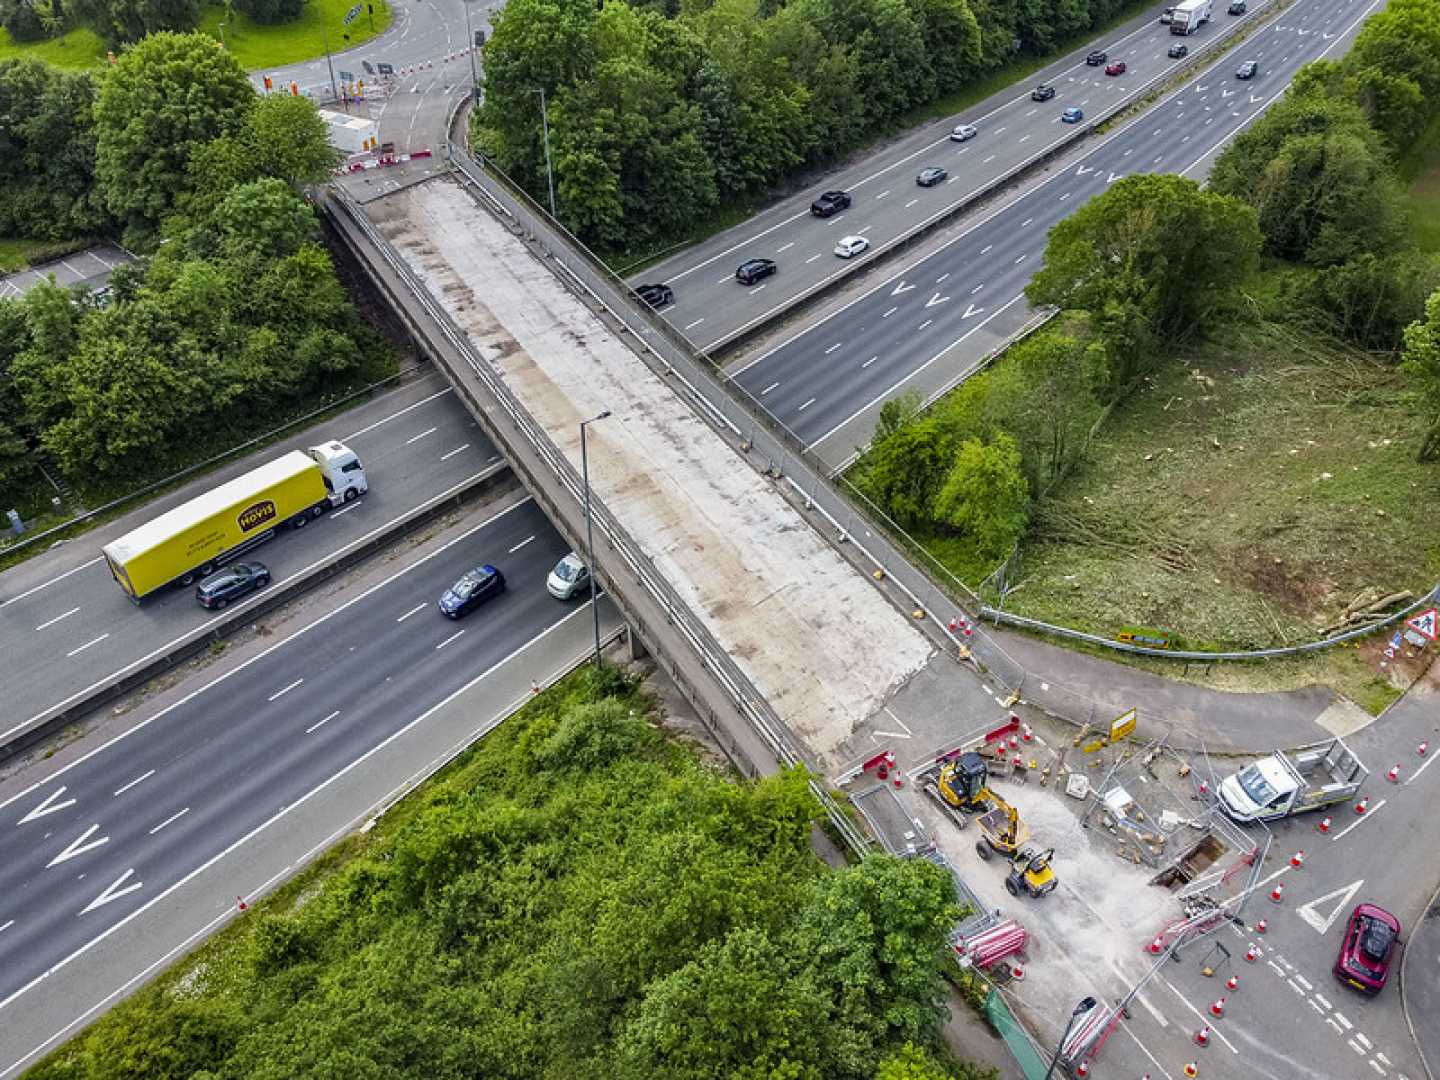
711	307
65	625
818	382
102	837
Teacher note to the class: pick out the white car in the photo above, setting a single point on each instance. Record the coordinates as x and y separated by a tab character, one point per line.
851	245
568	578
963	132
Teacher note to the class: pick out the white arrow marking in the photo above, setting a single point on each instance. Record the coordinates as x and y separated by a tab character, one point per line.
1253	99
1326	36
1201	89
78	847
1081	170
1112	178
1302	33
1342	896
45	807
936	299
971	309
1226	93
902	287
113	892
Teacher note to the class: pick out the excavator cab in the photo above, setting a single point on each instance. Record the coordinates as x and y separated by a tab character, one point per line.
962	783
1031	873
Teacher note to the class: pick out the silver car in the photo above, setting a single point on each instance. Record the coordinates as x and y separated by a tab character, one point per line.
569	578
963	133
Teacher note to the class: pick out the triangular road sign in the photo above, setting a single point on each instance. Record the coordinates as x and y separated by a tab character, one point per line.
1424	623
1341	896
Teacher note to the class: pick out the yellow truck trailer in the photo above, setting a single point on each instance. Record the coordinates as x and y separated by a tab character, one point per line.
193	539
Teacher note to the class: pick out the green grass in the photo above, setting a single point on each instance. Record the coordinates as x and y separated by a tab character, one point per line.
15	253
1421	169
254	45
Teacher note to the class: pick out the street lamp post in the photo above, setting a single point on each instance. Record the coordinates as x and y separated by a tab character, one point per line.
590	528
334	91
1086	1004
470	36
549	173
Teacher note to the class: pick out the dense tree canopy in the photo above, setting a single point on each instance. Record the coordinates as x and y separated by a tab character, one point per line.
1422	364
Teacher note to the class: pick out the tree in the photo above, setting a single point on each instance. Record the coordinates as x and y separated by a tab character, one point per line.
1150	259
903	471
1422	363
167	96
271	12
1371	299
121	22
912	1062
985	498
282	137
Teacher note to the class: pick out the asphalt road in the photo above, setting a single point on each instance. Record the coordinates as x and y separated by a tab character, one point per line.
711	306
873	346
65	624
94	842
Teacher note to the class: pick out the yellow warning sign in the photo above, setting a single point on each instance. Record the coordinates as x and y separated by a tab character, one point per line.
1122	725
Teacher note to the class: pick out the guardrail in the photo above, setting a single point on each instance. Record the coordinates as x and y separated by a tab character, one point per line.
26	734
748	702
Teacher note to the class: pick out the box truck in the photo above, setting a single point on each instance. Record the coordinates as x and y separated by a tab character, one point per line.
1189	16
1291	782
190	541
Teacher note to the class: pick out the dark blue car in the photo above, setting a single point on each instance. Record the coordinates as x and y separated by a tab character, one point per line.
472	590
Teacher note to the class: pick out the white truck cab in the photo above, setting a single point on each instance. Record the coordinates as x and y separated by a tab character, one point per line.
1258	791
1291	782
341	468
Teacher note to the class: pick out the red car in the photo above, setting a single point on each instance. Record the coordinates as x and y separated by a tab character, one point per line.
1371	935
1116	67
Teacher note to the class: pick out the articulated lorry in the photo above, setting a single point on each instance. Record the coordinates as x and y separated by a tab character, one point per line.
192	540
1292	781
1189	16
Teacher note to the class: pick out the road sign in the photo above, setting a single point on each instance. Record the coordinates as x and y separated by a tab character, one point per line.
347	76
1122	725
1424	623
385	69
353	13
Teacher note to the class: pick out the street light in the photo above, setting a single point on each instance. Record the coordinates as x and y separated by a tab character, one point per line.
1086	1004
470	36
589	528
549	174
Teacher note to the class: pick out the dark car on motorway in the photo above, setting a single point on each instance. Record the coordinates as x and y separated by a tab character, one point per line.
1247	70
1043	92
481	584
753	270
1371	937
1237	7
1096	58
657	295
931	176
1116	67
1177	51
231	583
832	202
1071	115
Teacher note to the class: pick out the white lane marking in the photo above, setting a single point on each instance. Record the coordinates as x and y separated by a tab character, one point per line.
322	723
986	248
7	925
1364	1041
121	790
723	280
697	322
1027	221
808	261
1359	821
1065	196
393	416
767	389
890	312
867	363
911	203
112	892
449	639
78	846
941	279
883	194
45	807
988	160
1295	986
1321	999
866	229
1423	766
787	247
806	405
977	288
1338	1029
1276	968
346	508
521	544
459	449
1376	1066
173	817
1357	1047
1305	982
1000	129
417	438
1022	258
285	689
46	584
1341	1018
414	610
832	348
1378	1055
57	618
1315	1005
82	648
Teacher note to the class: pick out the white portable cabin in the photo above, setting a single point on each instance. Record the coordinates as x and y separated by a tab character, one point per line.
350	134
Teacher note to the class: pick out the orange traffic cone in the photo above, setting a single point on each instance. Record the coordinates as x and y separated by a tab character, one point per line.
1202	1037
1232	983
1217	1008
240	904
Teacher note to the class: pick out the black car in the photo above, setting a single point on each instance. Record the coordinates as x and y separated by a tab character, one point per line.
753	270
832	202
1096	58
1237	7
481	584
1167	16
1177	51
657	296
231	583
1043	92
931	176
1247	70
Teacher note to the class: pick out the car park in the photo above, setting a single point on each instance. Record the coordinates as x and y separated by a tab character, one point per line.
1096	58
233	582
568	578
1072	115
832	202
657	295
1043	92
1116	67
1371	936
1167	16
479	585
753	270
963	132
851	245
1177	51
1247	70
931	176
1237	7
